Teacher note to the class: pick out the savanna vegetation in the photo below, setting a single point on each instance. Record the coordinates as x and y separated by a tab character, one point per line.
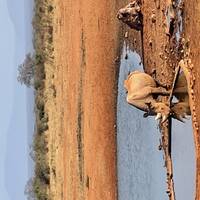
32	73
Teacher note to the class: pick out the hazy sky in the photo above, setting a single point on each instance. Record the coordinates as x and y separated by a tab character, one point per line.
15	40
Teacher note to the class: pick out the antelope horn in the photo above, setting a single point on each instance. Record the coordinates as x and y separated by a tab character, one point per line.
158	116
164	118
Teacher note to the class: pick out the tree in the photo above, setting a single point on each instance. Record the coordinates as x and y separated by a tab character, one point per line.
29	191
26	71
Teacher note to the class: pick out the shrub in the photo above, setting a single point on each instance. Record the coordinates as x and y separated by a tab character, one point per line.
42	42
42	127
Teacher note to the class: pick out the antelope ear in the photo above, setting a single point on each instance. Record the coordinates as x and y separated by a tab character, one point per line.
126	84
178	117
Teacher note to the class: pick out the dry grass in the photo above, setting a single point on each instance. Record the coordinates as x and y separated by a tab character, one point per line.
42	41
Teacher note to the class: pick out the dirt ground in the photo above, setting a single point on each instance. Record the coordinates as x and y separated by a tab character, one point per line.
82	104
160	58
192	34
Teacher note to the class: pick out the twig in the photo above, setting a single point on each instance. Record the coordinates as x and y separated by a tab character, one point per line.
173	84
166	145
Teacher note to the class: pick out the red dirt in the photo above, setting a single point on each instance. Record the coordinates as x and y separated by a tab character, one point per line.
82	116
82	128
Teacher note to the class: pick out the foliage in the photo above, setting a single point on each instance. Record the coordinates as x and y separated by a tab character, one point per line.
26	71
38	186
29	192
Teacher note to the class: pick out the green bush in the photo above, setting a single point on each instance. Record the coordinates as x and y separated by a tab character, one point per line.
42	172
40	189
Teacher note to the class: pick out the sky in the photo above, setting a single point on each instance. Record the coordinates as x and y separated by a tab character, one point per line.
16	102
